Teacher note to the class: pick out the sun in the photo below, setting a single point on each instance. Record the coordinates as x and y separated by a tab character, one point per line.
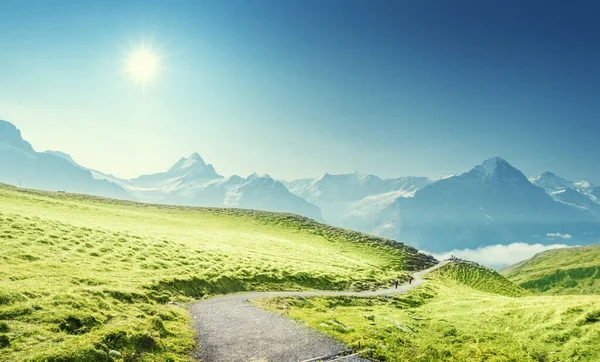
143	64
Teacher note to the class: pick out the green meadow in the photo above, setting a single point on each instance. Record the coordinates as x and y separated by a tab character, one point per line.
559	271
92	279
463	313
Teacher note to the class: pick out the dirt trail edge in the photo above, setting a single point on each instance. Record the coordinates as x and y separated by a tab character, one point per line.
229	328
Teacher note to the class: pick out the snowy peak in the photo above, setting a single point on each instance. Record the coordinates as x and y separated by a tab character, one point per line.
194	161
188	172
580	194
497	169
264	181
492	164
252	176
549	181
355	177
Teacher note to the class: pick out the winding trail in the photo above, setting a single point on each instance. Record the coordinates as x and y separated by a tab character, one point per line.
230	329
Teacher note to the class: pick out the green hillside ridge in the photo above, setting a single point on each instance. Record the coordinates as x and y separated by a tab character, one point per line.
478	277
573	270
445	319
90	279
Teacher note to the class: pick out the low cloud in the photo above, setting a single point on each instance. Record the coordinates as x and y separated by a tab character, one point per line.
499	256
559	235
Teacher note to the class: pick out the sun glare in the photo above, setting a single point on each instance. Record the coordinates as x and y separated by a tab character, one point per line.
143	64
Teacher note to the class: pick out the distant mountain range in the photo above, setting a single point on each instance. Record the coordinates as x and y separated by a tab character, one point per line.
490	204
21	164
190	181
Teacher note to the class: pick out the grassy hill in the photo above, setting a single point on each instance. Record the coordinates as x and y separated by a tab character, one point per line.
91	279
559	271
449	318
477	277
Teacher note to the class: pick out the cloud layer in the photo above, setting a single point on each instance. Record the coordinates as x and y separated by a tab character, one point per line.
499	256
559	235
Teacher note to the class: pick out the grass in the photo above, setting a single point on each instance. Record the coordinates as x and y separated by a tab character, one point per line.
559	271
446	319
92	279
477	277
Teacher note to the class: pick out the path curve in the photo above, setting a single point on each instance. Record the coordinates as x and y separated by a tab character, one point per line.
229	328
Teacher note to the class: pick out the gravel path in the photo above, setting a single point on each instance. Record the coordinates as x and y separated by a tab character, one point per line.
230	329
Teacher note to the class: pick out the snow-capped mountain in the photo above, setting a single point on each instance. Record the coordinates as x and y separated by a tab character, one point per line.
190	181
193	182
494	203
252	192
21	165
344	195
185	172
575	193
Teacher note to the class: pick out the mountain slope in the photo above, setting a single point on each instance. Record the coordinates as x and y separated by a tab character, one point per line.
82	276
573	270
21	164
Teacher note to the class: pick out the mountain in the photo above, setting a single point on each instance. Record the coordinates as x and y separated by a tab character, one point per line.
494	203
253	192
21	165
559	271
579	194
193	182
186	171
190	181
344	196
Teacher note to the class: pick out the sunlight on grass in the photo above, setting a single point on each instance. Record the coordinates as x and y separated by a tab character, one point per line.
90	279
561	271
448	320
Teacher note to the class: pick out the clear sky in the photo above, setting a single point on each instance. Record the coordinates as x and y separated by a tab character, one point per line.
299	88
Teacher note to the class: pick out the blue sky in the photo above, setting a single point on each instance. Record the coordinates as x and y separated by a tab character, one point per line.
299	88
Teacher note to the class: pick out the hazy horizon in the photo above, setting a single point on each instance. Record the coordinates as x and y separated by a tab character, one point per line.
434	177
297	90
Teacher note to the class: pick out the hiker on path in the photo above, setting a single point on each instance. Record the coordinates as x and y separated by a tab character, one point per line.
396	283
410	279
